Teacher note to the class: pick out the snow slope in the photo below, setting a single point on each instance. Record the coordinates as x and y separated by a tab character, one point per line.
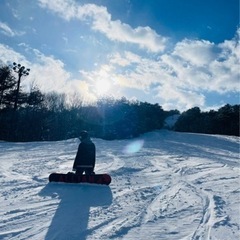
165	185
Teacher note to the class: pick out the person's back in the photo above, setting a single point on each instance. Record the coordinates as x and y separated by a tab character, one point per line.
86	155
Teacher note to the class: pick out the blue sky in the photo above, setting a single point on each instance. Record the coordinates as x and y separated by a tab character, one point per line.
177	53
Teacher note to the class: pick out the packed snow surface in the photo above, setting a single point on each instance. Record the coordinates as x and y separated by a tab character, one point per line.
165	185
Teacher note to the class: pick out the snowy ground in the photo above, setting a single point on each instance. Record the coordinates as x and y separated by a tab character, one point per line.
165	185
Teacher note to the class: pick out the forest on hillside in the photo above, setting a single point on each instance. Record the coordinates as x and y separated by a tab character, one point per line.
37	116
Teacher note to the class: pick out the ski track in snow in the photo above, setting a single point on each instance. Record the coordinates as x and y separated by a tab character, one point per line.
177	186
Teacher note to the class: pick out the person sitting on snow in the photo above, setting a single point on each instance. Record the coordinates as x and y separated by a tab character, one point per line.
86	155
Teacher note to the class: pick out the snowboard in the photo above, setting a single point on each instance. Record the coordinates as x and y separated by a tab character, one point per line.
74	178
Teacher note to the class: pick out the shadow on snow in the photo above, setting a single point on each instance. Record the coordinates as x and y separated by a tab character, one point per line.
72	215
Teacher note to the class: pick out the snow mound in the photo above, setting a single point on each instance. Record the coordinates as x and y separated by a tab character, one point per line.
170	121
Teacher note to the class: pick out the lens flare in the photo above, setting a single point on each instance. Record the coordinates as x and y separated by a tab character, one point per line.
133	147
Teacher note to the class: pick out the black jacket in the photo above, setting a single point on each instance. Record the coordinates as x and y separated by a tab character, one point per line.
86	154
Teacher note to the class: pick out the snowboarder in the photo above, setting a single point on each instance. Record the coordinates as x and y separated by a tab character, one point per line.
86	155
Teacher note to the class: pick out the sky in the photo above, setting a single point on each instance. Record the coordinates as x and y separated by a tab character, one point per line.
177	53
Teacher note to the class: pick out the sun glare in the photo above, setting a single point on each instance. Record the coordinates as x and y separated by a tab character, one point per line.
102	86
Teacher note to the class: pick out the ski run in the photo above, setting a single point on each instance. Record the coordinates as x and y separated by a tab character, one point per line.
165	185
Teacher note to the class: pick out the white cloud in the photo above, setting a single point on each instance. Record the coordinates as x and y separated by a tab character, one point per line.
177	98
47	73
205	66
126	59
225	69
100	20
6	30
50	75
197	53
66	8
181	77
8	55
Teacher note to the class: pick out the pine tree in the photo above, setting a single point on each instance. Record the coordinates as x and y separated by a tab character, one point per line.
7	85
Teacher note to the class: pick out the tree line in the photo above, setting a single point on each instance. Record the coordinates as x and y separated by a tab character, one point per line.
224	121
49	116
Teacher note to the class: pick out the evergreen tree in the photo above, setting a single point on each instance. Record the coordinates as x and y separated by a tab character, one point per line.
7	85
